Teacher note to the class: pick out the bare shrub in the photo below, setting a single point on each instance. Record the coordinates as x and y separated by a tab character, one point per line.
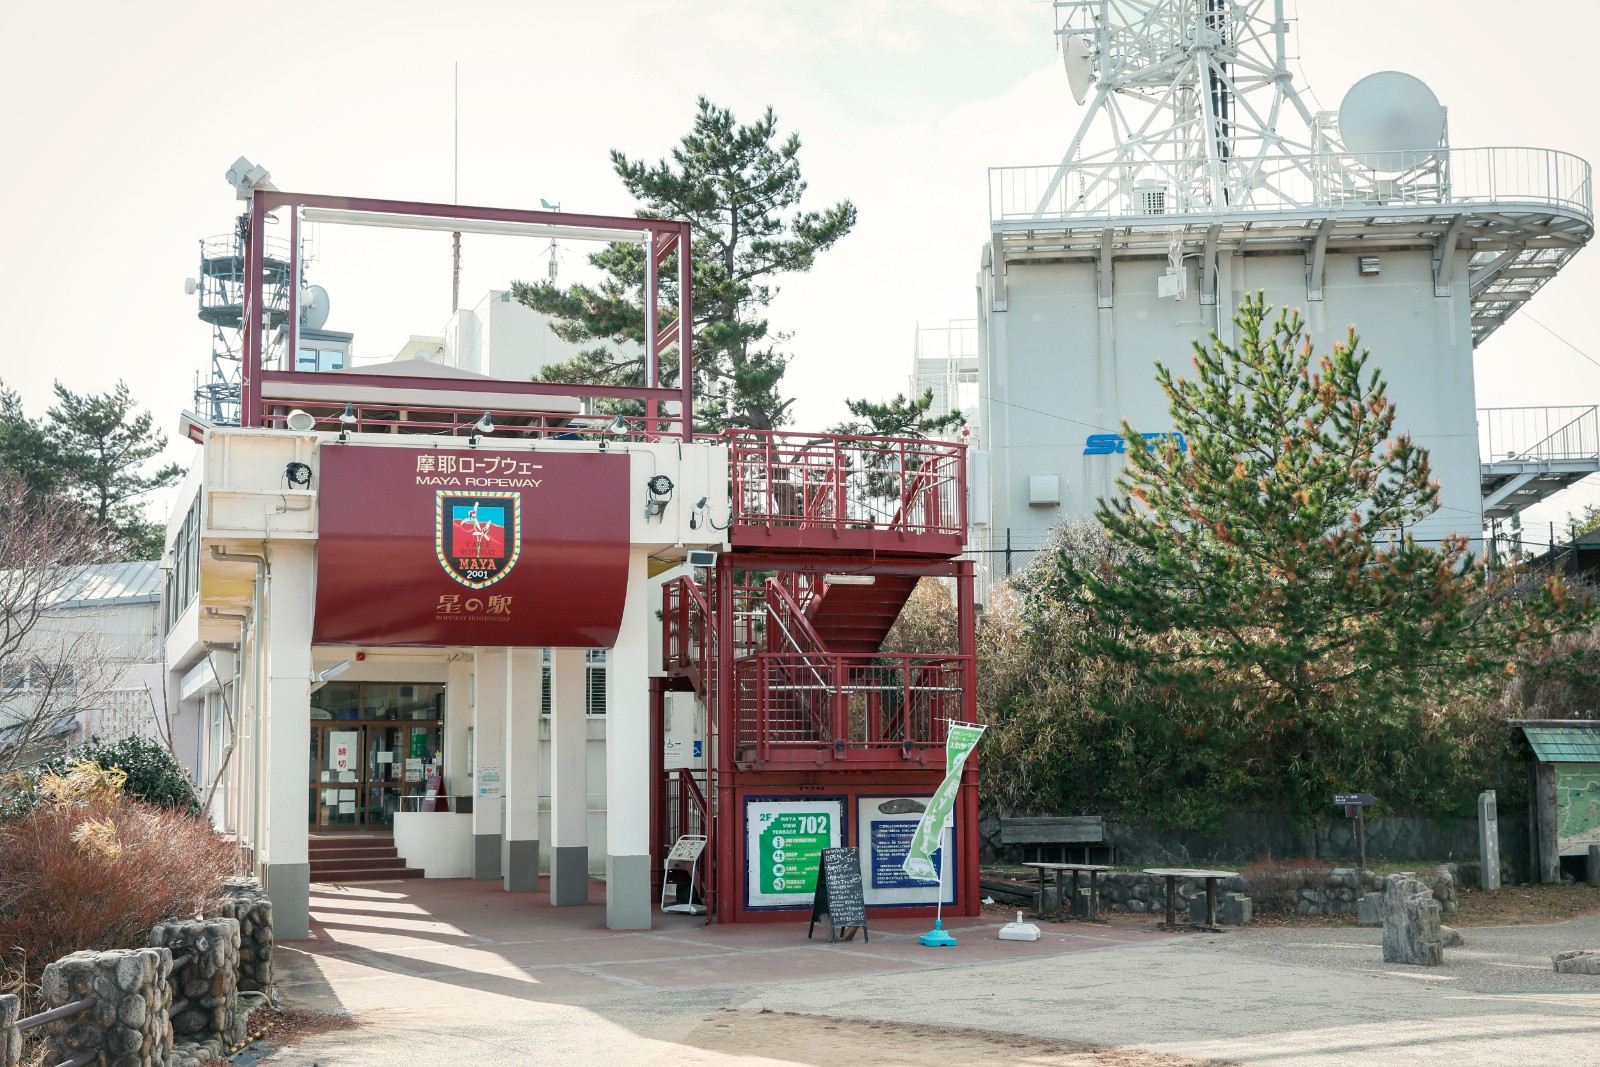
98	874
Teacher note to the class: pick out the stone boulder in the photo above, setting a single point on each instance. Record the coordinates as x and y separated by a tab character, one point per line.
1582	961
1411	923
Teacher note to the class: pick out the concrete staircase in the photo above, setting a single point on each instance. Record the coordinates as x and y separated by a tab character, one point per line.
357	857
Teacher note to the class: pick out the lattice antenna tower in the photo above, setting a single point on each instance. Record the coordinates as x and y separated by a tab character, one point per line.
220	296
1187	99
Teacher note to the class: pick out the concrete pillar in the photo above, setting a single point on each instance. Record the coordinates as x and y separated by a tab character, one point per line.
457	722
569	777
520	855
628	785
285	738
488	772
1488	840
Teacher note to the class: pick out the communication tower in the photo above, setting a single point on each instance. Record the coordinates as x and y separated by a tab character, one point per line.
220	289
1197	174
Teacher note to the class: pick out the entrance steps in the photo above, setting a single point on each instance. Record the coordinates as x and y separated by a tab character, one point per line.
357	857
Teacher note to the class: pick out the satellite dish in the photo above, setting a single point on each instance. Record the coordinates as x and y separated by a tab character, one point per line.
1078	57
313	307
1390	121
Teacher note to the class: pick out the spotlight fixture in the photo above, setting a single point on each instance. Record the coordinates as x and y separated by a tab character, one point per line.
695	515
347	420
619	425
660	489
299	421
297	475
483	426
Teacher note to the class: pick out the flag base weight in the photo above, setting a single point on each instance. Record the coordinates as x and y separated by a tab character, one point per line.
937	938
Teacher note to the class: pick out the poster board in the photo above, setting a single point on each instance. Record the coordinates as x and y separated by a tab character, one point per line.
885	826
784	840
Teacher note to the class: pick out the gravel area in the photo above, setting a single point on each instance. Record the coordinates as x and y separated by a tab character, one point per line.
1491	959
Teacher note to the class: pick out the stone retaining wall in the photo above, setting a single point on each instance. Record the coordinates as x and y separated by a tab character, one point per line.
10	1036
1305	892
244	900
128	1024
211	1024
1246	837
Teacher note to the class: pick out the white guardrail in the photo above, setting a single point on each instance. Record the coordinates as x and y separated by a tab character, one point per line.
1289	182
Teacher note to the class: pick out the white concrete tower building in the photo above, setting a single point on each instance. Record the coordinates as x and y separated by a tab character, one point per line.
1198	175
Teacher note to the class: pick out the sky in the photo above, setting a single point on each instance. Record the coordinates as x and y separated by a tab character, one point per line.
119	121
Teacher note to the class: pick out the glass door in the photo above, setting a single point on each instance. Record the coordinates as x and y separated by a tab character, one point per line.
336	774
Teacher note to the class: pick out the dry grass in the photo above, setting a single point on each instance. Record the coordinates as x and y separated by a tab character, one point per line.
98	875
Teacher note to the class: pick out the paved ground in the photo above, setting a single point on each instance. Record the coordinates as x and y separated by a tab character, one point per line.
452	971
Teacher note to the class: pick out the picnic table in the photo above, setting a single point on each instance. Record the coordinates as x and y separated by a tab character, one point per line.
1055	871
1172	874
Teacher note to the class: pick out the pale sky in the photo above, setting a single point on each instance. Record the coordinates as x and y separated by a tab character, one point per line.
120	119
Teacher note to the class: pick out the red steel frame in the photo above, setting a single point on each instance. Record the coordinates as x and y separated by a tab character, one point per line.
663	238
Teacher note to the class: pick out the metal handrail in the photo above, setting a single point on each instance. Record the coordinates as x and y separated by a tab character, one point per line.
1456	176
1576	433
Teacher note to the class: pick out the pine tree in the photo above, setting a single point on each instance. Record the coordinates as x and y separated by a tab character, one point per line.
900	417
105	446
740	188
26	450
1271	592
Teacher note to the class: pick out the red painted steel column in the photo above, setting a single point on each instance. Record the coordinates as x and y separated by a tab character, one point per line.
726	819
250	385
685	334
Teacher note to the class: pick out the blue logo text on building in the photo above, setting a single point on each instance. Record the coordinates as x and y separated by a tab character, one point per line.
1104	444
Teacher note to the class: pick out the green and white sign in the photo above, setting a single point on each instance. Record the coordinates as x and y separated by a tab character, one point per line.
784	840
958	745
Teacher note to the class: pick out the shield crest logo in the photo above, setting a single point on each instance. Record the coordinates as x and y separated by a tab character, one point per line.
478	536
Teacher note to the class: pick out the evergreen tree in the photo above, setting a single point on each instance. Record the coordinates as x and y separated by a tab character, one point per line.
26	450
900	417
1276	613
105	446
740	188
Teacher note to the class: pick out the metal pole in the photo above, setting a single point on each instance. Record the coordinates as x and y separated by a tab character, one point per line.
1361	837
1008	551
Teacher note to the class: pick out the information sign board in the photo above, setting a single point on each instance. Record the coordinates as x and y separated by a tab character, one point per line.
884	829
838	895
784	840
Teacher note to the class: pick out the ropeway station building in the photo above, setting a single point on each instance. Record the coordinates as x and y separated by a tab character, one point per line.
396	591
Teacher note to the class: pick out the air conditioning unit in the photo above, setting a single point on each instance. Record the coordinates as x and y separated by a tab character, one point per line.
1149	197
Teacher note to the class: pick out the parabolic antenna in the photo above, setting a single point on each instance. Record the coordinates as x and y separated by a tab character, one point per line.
1078	57
313	307
1390	121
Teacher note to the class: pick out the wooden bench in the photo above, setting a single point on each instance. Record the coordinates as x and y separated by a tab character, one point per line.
1059	839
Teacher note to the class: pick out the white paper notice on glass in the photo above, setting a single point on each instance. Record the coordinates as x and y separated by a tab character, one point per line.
347	807
344	750
385	757
347	776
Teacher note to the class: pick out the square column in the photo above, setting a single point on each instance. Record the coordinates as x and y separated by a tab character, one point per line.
569	777
628	784
519	857
283	737
488	747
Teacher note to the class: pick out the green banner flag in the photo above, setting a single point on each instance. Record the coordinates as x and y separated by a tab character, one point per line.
957	747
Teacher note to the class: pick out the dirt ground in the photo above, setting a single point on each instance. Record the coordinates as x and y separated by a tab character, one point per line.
773	1038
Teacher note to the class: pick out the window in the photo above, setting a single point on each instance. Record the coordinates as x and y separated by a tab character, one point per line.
319	359
594	683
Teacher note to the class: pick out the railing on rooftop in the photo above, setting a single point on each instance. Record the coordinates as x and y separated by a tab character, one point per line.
1448	177
848	492
1537	434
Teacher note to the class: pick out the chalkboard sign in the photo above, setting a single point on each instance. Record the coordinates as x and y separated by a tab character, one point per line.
839	895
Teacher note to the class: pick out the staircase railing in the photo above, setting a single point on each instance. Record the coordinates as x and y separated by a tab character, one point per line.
856	703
